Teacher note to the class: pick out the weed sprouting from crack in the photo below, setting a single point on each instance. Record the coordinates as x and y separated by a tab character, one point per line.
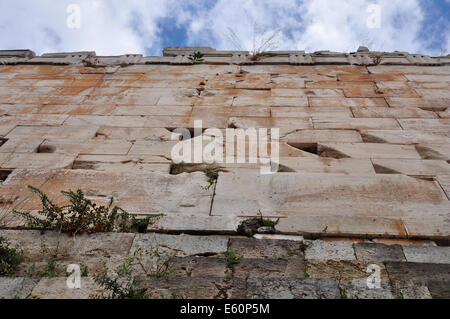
232	257
213	174
196	57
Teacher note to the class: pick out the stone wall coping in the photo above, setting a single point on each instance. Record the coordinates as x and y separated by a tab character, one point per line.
179	56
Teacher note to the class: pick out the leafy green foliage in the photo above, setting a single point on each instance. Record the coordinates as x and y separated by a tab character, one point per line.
10	258
123	284
267	222
80	216
233	257
213	174
196	57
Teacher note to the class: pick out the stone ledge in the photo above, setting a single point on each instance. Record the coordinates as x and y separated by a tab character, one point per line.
178	55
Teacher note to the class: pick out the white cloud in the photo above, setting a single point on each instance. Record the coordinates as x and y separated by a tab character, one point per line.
116	27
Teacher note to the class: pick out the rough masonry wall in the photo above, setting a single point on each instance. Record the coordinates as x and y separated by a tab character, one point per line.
364	149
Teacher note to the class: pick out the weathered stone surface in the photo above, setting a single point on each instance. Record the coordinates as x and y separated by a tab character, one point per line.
427	254
356	124
265	248
292	288
327	165
369	252
39	247
16	288
405	137
320	136
346	102
195	267
404	112
179	223
417	273
444	181
56	288
413	292
181	245
327	250
52	132
91	147
269	268
434	151
279	237
193	288
367	150
437	125
358	289
149	193
36	161
342	271
345	226
411	167
295	194
122	163
439	289
131	134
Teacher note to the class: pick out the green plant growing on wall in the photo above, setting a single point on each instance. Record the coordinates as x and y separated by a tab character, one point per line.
80	216
10	257
123	283
196	57
232	257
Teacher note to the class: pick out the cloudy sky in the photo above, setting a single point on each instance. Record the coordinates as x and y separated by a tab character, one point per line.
113	27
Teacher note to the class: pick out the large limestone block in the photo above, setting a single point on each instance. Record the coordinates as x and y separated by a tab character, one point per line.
296	194
282	123
132	134
346	102
411	167
122	163
327	165
424	254
35	161
437	125
52	132
409	69
299	112
423	103
434	151
292	288
368	150
381	112
57	288
444	181
356	124
272	101
181	245
138	192
33	119
305	92
342	226
179	223
405	137
60	146
153	110
77	109
16	288
320	136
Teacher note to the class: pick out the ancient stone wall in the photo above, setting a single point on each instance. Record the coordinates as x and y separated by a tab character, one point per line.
362	170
